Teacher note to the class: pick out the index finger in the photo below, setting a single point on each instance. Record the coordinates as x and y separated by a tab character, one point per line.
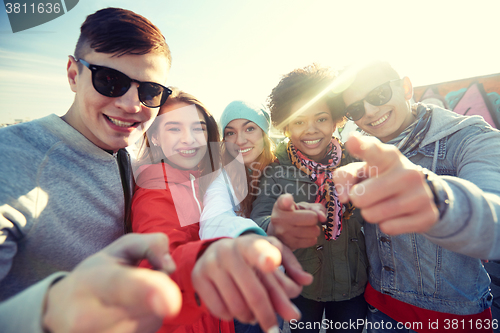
315	207
285	202
375	153
297	218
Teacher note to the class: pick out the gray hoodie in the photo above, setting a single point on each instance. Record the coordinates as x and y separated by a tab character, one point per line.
61	200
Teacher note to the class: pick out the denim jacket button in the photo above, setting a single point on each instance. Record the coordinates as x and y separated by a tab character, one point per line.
384	239
387	268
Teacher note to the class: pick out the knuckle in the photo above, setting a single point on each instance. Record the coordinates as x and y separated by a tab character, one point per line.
218	310
255	299
431	217
415	177
280	230
195	274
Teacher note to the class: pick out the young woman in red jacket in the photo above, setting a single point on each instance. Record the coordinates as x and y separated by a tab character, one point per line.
175	165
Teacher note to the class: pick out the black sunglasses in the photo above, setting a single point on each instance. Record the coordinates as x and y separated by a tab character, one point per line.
112	83
378	96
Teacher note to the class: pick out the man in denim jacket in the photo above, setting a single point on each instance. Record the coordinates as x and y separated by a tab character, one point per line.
431	195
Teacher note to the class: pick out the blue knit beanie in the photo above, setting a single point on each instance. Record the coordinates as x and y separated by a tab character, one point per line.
248	111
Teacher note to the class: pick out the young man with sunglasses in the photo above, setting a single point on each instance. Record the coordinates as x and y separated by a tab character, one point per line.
66	188
422	191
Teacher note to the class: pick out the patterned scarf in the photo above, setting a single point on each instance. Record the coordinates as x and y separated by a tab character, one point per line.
413	135
321	174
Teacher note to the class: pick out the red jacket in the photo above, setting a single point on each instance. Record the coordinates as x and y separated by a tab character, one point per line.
165	200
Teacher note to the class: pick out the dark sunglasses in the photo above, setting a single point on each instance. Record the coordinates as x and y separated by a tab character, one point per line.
378	96
112	83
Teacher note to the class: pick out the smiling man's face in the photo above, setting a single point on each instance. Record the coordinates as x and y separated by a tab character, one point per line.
385	121
112	123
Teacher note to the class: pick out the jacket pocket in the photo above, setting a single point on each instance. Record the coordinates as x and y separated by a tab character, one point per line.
357	254
311	264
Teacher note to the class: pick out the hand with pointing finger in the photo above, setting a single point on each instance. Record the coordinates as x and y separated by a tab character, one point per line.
296	224
388	188
107	293
239	278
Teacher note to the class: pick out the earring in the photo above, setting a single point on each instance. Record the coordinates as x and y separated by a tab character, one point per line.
155	144
287	133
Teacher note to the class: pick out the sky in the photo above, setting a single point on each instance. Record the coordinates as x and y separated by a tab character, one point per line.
225	50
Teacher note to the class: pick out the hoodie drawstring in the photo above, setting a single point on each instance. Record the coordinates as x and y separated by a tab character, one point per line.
194	191
435	157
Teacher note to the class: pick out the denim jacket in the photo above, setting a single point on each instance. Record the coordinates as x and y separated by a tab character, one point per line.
464	153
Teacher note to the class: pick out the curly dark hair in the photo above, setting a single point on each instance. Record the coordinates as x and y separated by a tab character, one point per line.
304	83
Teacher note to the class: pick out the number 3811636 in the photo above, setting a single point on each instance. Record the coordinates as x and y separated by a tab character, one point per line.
40	8
476	324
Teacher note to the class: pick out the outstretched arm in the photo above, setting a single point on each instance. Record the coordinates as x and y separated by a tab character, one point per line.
227	274
103	293
402	197
219	218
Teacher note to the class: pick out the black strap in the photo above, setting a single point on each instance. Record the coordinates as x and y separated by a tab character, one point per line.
127	177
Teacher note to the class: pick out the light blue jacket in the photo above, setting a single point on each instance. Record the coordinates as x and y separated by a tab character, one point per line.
465	154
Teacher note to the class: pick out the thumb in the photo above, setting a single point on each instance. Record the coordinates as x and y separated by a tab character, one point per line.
129	287
285	202
132	248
